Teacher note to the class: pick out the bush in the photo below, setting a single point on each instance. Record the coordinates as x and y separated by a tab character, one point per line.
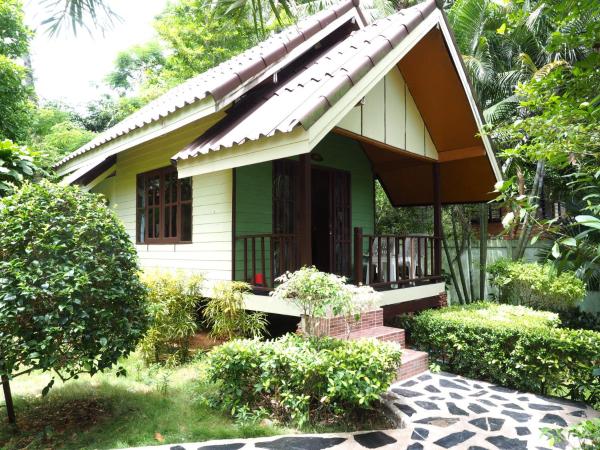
320	294
302	380
172	301
535	285
513	346
225	315
587	433
579	320
70	296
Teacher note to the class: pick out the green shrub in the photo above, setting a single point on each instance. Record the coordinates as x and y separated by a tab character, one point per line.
70	296
513	346
302	380
587	433
172	301
225	315
535	285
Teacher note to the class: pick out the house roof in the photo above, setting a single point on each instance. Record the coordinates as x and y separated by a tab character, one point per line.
227	77
310	87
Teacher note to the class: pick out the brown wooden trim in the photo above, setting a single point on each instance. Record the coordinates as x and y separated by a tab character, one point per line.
437	220
162	173
366	140
305	209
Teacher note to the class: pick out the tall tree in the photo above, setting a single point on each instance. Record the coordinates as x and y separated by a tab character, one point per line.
15	96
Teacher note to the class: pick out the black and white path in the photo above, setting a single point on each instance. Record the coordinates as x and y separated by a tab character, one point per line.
438	411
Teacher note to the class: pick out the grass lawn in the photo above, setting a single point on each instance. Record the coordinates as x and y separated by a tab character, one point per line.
151	406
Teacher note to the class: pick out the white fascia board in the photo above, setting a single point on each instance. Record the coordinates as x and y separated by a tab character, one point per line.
334	114
81	171
280	145
407	294
457	59
172	122
100	178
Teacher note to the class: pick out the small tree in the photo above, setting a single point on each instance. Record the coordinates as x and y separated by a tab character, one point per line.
71	301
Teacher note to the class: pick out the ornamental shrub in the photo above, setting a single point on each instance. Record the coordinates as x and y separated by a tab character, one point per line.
172	302
513	346
70	296
535	285
302	380
320	294
224	312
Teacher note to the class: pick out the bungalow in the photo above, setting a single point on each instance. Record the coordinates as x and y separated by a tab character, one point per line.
268	161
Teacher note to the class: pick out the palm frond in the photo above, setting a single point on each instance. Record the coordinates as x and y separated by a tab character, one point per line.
80	14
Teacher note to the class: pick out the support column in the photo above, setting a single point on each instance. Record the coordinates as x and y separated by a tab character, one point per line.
305	210
437	221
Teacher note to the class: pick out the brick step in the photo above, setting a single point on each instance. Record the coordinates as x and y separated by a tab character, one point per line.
380	333
413	363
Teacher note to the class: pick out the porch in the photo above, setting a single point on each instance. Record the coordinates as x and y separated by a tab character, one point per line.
319	209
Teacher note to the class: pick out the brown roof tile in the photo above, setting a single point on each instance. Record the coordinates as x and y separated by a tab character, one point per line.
223	79
305	96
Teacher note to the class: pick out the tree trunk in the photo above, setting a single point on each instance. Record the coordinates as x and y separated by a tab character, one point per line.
470	262
451	268
10	408
461	271
536	189
483	237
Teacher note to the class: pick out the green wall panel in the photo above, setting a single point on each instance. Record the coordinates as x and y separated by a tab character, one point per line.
254	192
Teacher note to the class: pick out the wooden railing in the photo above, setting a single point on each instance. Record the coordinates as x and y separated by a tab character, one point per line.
264	257
392	261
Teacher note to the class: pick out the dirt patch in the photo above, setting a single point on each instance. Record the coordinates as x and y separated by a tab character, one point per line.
44	425
202	341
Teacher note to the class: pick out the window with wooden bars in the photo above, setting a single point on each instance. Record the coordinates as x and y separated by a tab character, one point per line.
163	207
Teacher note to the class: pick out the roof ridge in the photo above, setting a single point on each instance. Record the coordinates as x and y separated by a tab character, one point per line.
223	79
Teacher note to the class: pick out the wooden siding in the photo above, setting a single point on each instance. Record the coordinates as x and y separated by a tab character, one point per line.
389	114
210	250
254	207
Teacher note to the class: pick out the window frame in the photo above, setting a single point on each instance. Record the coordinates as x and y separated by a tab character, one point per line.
162	174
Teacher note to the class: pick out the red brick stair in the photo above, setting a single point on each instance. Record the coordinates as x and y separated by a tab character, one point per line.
381	333
371	325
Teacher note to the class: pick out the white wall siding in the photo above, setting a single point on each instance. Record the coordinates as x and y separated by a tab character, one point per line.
210	250
389	115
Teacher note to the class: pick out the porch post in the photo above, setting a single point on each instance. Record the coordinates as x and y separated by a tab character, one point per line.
305	209
358	255
437	221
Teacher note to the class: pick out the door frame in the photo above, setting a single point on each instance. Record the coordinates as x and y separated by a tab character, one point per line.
330	171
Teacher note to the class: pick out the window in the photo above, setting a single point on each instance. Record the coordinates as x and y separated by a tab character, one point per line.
163	207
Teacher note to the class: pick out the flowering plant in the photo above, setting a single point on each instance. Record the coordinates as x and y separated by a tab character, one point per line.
319	294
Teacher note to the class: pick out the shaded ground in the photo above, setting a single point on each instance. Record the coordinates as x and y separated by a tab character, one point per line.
440	411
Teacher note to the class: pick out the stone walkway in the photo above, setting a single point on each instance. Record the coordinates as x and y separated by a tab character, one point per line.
448	411
438	411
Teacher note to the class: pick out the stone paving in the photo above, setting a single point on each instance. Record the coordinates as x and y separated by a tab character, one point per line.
438	411
447	411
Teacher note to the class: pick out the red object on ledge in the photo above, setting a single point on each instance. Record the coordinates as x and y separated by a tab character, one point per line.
259	279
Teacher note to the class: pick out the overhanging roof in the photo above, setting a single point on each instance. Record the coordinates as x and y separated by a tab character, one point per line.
229	80
311	86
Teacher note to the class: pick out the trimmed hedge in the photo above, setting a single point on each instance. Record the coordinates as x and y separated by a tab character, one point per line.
513	346
302	380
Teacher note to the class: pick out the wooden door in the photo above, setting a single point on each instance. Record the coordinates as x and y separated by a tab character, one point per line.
340	224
